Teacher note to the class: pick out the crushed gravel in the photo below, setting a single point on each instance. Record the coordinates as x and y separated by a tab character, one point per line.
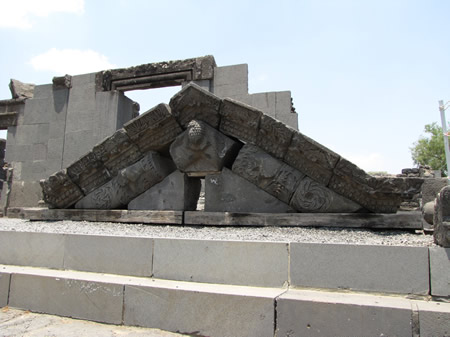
277	234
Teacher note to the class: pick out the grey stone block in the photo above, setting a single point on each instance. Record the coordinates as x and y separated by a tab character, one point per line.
109	254
290	120
4	288
59	191
25	194
388	269
441	219
274	137
204	311
224	262
57	295
440	271
312	313
230	81
176	192
76	144
228	192
283	103
32	249
43	91
434	318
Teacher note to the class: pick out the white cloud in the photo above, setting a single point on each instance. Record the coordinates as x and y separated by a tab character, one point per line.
71	61
20	13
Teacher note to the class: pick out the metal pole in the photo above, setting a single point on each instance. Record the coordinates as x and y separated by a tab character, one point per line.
444	130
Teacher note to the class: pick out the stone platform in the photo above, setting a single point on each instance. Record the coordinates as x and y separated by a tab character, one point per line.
229	288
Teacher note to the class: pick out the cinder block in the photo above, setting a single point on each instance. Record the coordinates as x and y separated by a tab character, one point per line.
440	271
109	254
434	318
312	313
4	288
360	267
206	310
96	301
32	249
262	264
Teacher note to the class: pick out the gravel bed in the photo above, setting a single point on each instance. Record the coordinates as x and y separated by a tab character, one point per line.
278	234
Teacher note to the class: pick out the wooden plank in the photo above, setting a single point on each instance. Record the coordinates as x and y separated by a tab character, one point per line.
401	220
125	216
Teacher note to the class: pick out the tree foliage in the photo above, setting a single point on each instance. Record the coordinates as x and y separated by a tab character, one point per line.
430	150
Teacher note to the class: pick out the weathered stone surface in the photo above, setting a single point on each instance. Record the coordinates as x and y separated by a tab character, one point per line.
117	152
129	183
228	192
88	172
59	191
176	192
202	149
193	102
154	130
62	82
353	183
311	158
434	318
274	137
441	218
310	196
267	172
440	271
239	120
20	89
4	288
431	187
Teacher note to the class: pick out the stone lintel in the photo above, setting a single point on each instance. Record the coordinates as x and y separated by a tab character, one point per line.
274	136
194	102
59	191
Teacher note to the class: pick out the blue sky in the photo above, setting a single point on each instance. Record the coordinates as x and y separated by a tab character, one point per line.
365	76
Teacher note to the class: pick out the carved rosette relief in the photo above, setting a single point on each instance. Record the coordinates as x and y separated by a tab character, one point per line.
311	197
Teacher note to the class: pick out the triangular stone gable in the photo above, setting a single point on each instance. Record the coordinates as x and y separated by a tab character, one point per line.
200	134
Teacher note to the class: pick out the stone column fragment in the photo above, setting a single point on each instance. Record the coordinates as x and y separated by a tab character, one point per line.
59	191
129	183
117	152
441	219
311	158
193	102
88	172
239	120
267	172
201	150
274	137
154	130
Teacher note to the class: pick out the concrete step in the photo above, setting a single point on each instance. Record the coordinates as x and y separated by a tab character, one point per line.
203	309
367	268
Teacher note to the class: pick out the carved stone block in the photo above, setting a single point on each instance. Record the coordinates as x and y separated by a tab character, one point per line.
311	158
239	120
312	197
228	192
274	137
441	219
154	130
267	172
353	183
117	152
193	102
62	82
20	89
202	149
129	183
176	192
88	172
59	191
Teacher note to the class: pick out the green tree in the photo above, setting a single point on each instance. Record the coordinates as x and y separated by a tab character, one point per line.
430	150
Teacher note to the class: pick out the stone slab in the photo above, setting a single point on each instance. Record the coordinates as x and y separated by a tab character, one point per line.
274	137
176	192
440	271
4	288
434	318
224	262
401	220
314	313
109	254
228	192
77	298
201	310
389	269
231	81
32	249
116	215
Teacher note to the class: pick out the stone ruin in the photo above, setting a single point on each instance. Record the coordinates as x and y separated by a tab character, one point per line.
245	147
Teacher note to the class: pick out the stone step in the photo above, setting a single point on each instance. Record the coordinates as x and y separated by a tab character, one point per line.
203	309
367	268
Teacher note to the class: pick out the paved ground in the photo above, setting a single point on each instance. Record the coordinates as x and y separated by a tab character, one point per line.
19	323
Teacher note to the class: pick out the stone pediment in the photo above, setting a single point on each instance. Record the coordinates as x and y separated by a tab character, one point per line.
259	161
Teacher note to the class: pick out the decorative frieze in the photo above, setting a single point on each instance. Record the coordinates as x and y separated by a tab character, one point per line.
274	137
59	191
